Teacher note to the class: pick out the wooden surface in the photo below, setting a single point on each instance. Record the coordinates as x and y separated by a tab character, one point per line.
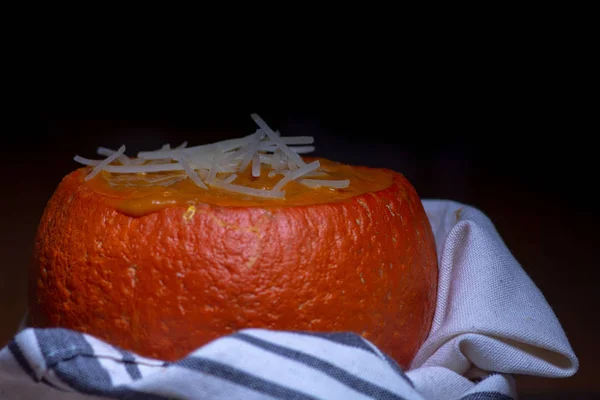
547	224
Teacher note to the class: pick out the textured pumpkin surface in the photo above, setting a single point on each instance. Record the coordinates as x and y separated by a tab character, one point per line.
168	281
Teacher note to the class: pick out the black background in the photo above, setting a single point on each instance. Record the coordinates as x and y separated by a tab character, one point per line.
506	129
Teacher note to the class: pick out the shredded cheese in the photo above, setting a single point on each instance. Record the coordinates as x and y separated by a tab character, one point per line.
212	174
315	183
275	194
103	151
191	172
202	163
294	158
256	165
230	178
296	174
98	168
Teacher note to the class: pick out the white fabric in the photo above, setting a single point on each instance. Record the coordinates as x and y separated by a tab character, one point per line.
491	321
489	312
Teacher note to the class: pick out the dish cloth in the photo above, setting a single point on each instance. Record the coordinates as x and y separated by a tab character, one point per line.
491	322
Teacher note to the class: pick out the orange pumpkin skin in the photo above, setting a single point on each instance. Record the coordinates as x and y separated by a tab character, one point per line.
168	282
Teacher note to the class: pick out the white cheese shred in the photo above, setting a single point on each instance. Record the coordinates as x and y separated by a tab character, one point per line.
256	165
296	174
316	183
202	163
214	167
191	172
123	159
86	161
274	194
295	158
249	150
98	168
230	178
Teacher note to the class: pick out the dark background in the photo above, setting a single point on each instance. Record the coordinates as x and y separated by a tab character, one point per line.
510	136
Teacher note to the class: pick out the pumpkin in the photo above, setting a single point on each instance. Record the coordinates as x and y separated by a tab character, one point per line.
163	269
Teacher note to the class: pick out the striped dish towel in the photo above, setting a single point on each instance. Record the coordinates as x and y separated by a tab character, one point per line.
491	322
